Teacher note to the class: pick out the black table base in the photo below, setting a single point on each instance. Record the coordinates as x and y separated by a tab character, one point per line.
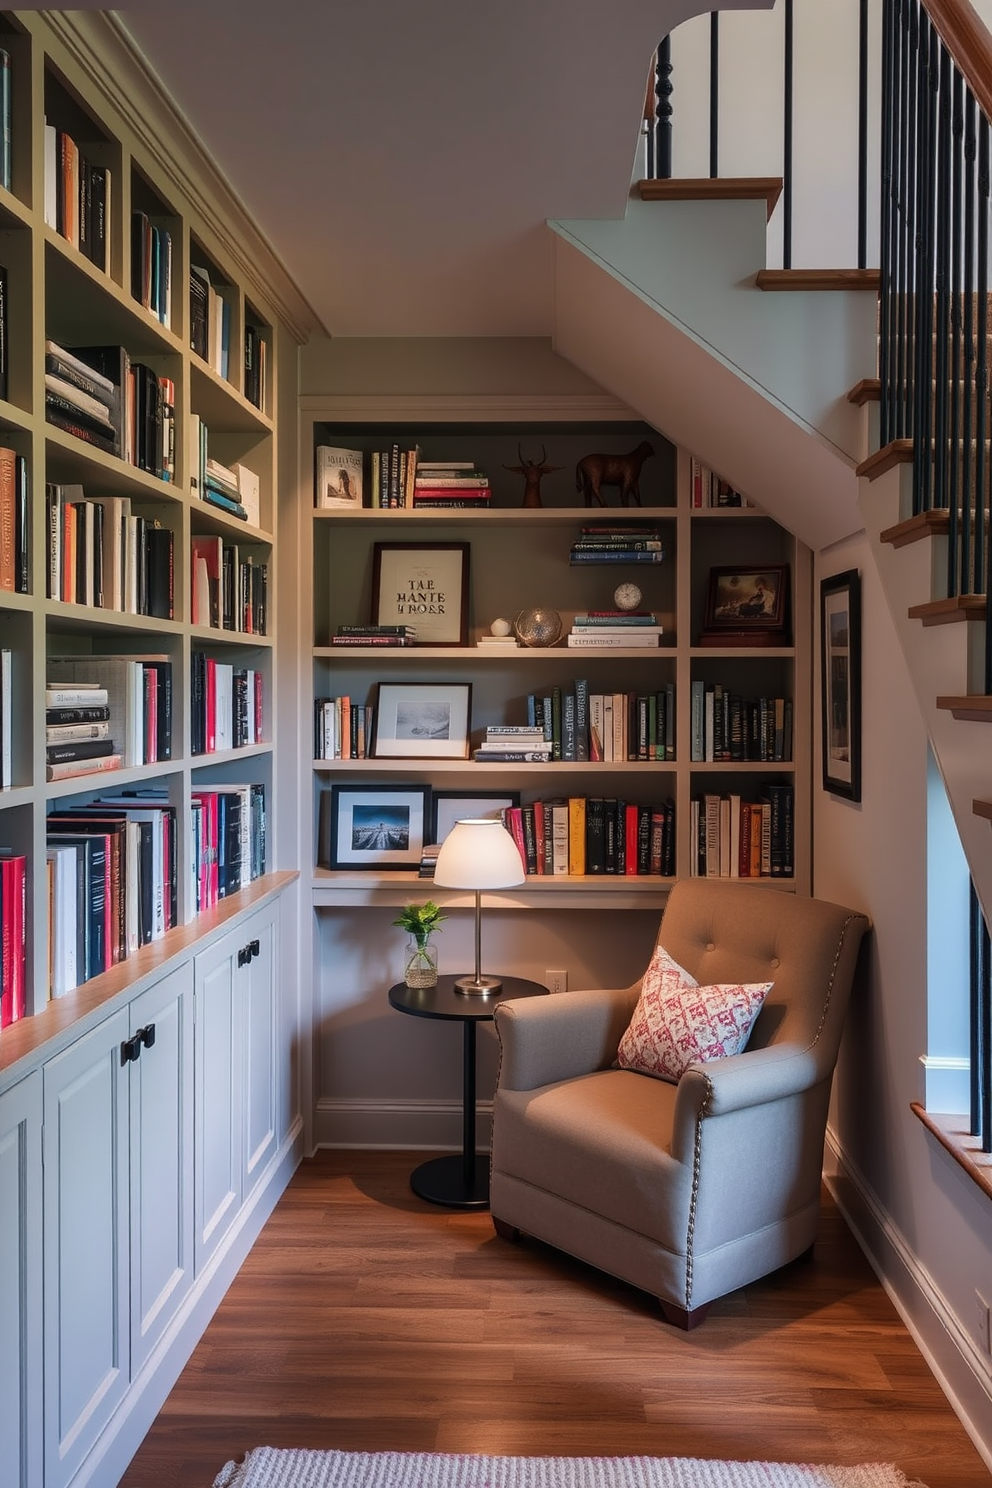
443	1180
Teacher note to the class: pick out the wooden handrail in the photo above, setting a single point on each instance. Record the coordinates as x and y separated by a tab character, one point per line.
967	39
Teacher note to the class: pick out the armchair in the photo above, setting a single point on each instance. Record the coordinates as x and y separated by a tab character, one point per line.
693	1189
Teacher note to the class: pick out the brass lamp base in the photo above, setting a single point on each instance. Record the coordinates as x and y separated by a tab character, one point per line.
478	986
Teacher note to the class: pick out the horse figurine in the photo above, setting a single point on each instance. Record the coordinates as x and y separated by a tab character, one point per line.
595	471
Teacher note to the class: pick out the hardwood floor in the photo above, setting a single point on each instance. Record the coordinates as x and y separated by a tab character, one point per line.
365	1319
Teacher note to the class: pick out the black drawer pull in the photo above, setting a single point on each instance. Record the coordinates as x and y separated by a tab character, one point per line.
131	1049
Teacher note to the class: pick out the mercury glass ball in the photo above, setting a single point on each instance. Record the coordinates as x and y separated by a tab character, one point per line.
540	627
626	596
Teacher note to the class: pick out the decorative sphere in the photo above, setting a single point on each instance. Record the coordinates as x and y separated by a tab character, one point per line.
539	627
501	628
626	596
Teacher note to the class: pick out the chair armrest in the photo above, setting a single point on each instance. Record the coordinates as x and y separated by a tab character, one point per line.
749	1079
544	1039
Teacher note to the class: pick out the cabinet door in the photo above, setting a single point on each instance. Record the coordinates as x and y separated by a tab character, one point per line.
218	1094
257	995
20	1285
161	1105
85	1244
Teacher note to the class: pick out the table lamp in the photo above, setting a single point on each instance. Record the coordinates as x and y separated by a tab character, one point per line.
478	854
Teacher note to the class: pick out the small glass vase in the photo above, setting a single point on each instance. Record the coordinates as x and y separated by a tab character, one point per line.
421	963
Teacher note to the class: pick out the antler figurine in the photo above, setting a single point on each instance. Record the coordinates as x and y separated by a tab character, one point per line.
532	471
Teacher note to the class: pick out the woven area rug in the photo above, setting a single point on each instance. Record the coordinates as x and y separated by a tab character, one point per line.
270	1467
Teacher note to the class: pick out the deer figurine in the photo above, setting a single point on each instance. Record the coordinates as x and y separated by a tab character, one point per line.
595	471
532	471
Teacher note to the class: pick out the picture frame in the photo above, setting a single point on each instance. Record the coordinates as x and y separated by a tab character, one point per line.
377	826
422	720
451	806
840	683
747	605
424	585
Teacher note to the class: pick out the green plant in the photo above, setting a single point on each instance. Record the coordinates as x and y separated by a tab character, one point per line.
421	920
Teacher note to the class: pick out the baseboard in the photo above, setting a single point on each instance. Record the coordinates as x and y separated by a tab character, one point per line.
112	1452
397	1126
946	1344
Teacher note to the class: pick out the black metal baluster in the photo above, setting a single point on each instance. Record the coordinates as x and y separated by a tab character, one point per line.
925	268
982	374
980	1032
942	268
885	224
974	479
863	133
959	453
663	111
787	140
714	94
907	189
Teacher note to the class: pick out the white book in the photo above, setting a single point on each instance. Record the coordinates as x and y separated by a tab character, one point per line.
72	733
76	695
200	598
131	565
608	727
597	641
250	488
51	177
725	838
87	536
224	694
559	840
619	727
735	836
63	918
694	838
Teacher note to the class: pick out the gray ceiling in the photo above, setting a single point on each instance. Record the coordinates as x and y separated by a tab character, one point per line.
402	156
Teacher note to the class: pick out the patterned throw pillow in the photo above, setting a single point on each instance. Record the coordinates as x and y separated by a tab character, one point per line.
677	1022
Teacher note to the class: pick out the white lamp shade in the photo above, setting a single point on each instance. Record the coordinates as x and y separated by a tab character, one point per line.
479	854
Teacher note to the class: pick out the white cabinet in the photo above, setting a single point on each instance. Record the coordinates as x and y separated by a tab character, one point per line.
20	1284
118	1209
236	1086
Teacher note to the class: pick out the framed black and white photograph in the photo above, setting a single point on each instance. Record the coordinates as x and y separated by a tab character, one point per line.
377	826
423	585
452	806
840	657
427	720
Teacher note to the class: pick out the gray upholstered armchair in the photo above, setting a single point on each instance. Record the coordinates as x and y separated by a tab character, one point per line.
693	1189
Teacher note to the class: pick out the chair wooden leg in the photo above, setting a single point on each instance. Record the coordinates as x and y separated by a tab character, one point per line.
681	1317
505	1231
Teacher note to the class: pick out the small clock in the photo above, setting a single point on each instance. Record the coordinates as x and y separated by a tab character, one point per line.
627	596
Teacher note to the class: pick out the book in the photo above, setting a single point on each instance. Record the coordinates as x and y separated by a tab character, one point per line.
596	640
512	756
338	478
83	767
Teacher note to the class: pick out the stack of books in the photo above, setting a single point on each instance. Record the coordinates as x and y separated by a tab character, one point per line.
450	484
514	743
375	635
614	629
81	400
77	731
428	859
618	543
499	642
221	488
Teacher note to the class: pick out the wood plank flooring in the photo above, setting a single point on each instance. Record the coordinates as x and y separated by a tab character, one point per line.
365	1319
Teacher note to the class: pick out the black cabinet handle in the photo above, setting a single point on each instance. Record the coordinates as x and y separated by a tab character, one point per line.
146	1035
255	948
131	1049
244	956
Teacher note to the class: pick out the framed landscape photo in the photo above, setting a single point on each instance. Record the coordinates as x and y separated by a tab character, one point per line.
840	672
422	720
747	606
452	806
423	585
378	826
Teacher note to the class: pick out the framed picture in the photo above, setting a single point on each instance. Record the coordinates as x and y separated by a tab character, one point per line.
377	826
428	720
423	586
747	606
840	672
452	806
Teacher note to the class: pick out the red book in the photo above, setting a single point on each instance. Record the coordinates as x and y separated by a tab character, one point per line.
258	707
538	837
515	825
12	955
630	840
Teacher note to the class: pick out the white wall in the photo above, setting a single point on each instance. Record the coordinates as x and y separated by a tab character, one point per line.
927	1225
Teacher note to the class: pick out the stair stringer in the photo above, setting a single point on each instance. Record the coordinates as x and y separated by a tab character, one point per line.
661	308
941	661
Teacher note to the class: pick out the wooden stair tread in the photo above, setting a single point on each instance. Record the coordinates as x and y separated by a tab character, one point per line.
818	279
948	611
924	524
897	452
975	707
713	188
982	808
868	390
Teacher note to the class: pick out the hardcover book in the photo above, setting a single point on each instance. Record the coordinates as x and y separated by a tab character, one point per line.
338	473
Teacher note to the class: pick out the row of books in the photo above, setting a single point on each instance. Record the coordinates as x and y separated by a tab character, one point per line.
233	489
14	509
229	586
123	408
397	478
342	729
77	196
606	727
375	635
13	937
106	713
151	266
617	543
594	835
727	726
226	705
709	489
615	630
735	838
229	840
209	321
102	554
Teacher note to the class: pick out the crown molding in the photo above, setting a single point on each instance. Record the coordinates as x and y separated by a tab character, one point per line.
106	55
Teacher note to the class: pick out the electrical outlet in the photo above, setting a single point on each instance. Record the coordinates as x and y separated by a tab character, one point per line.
982	1324
556	981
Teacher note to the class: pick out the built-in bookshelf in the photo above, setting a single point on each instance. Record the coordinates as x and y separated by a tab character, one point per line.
523	557
128	452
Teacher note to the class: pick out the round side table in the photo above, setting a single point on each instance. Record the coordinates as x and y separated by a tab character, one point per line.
460	1181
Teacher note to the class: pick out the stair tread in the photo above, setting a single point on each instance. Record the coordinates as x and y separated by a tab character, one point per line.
976	707
713	188
982	808
817	279
948	611
897	452
914	529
